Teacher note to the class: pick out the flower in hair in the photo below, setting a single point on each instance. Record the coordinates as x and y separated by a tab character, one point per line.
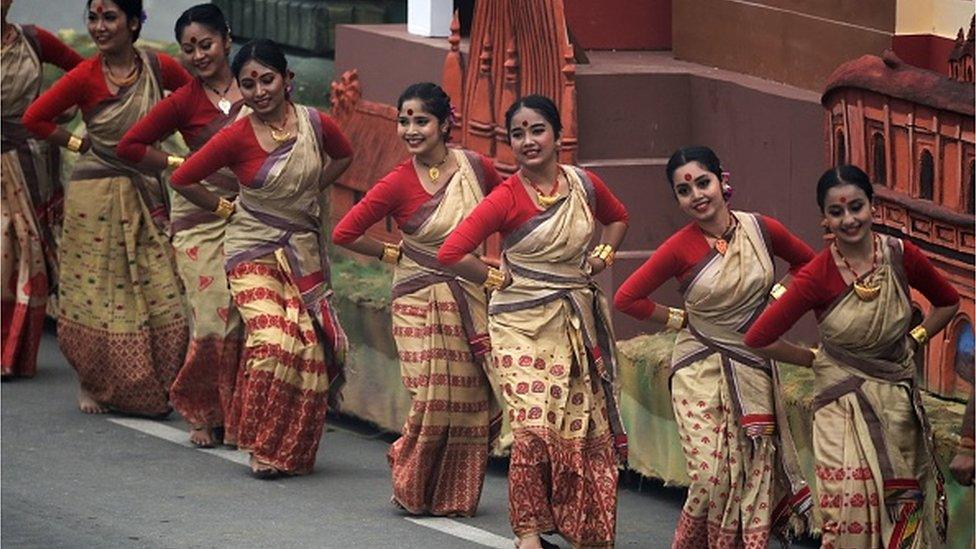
726	187
143	17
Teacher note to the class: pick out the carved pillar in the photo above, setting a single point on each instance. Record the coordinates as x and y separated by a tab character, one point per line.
453	79
479	112
510	93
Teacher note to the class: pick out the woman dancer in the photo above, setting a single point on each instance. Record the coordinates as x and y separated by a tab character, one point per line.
121	323
740	457
871	439
204	387
553	350
32	196
439	321
275	260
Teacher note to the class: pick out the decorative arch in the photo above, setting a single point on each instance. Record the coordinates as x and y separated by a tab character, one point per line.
960	345
926	175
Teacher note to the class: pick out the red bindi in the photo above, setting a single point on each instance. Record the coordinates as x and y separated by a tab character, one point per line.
525	123
409	112
254	74
687	177
98	8
843	200
193	39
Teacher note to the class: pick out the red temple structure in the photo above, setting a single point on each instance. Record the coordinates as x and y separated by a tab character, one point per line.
912	131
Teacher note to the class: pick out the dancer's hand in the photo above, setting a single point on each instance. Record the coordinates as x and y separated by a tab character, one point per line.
962	468
596	265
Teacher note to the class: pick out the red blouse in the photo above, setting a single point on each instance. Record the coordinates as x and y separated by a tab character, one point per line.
399	194
819	283
187	110
679	254
54	51
508	207
236	146
85	87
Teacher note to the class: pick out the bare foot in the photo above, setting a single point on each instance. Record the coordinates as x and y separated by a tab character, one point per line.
531	541
88	405
262	470
201	437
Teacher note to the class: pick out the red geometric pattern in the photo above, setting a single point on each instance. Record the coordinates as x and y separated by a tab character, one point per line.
427	355
426	380
204	388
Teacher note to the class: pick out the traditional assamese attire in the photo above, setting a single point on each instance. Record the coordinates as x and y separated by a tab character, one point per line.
32	199
122	323
871	438
440	328
279	276
203	390
745	481
554	357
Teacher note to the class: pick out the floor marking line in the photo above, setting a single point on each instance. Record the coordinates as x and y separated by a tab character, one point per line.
177	436
463	531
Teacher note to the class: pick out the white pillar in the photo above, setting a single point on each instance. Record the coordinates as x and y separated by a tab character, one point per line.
429	17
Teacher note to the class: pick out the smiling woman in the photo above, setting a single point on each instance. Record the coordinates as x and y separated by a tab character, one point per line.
121	322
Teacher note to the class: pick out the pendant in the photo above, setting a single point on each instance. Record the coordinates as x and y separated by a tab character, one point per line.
721	246
867	292
433	173
280	137
224	105
546	201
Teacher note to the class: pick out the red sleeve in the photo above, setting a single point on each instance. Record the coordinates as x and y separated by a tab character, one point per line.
163	119
220	151
926	279
381	199
55	51
492	179
608	208
807	291
632	296
487	218
67	92
173	74
787	246
335	143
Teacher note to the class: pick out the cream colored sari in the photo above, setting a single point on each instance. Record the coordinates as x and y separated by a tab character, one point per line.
745	481
122	321
554	359
440	328
871	438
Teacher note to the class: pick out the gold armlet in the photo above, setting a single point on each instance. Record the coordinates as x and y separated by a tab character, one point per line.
74	143
224	208
605	253
391	253
495	279
173	161
920	335
676	318
777	291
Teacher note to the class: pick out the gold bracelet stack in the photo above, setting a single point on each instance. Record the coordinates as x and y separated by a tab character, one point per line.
173	161
224	208
676	318
391	253
920	335
495	279
74	143
605	253
777	291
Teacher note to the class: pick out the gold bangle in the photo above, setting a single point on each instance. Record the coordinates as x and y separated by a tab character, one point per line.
920	335
74	143
173	161
391	253
676	318
777	291
495	279
605	253
224	208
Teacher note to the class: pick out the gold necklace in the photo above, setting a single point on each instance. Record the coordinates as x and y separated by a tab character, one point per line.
865	291
280	135
546	199
433	170
126	80
721	242
224	104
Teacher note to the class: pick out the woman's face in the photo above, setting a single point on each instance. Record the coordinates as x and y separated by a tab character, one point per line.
204	49
108	26
262	87
699	191
532	139
847	212
419	129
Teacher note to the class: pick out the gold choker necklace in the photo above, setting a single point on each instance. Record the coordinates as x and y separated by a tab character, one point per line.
865	291
433	170
280	135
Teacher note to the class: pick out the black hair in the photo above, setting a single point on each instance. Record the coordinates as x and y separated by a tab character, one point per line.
703	155
845	174
262	50
132	10
435	100
208	15
540	104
